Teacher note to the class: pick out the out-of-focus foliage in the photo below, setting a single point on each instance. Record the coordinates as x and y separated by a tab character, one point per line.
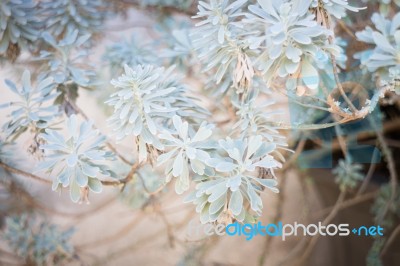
386	39
180	4
37	242
383	203
19	26
62	16
64	62
385	6
334	7
137	193
373	258
348	174
127	52
33	112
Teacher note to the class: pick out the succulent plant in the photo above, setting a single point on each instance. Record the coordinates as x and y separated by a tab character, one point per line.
78	160
86	16
186	151
230	52
19	26
61	61
348	174
180	4
222	197
147	99
386	38
293	38
37	242
336	8
127	52
34	110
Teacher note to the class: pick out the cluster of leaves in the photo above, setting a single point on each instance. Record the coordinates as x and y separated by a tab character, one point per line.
281	39
127	52
19	26
242	47
385	56
384	204
230	54
78	160
33	111
22	21
336	8
147	99
236	180
187	149
180	4
69	15
385	6
38	243
295	38
374	258
348	174
63	63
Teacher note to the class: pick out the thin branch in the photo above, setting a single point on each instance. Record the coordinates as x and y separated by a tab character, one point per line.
13	170
151	193
126	180
284	126
307	244
279	211
170	231
340	87
297	152
345	27
327	22
371	171
41	179
348	203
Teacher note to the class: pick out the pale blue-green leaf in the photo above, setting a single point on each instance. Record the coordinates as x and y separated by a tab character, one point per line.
75	192
225	167
72	160
309	75
236	202
178	165
95	185
217	205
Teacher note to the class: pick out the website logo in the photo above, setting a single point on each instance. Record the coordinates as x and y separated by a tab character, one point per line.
249	231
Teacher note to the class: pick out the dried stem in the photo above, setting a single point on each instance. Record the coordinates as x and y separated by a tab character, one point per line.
327	220
14	170
371	171
348	203
307	244
41	179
